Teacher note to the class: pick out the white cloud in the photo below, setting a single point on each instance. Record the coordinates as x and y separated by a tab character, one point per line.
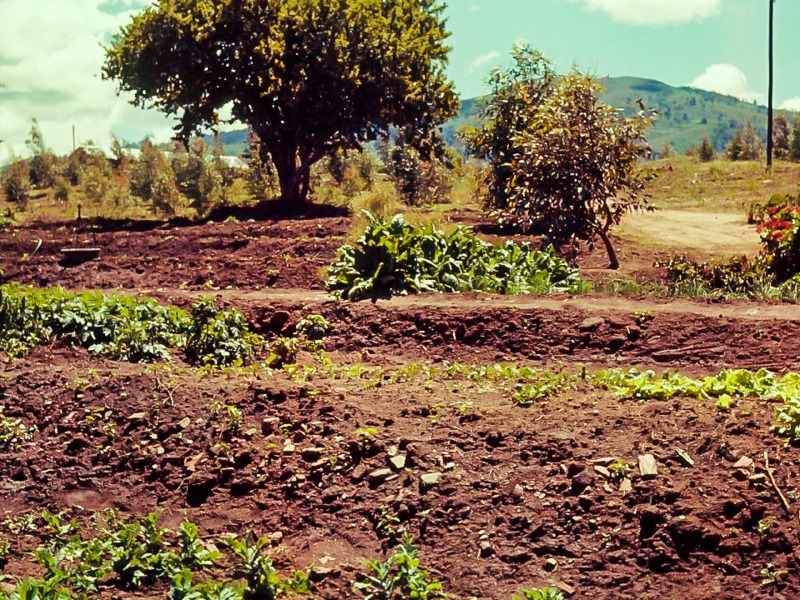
50	61
791	104
484	60
655	12
729	80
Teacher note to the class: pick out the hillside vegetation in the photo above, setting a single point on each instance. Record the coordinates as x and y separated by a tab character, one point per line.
687	114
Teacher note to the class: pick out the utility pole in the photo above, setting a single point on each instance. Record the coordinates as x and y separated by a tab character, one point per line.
769	93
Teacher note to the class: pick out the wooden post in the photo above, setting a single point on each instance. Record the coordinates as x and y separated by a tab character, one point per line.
769	93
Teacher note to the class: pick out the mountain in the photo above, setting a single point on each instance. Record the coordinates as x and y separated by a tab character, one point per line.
686	114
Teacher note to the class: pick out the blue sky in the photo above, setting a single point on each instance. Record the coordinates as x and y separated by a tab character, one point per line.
50	54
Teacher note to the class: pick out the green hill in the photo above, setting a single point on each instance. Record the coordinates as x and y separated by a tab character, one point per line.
686	114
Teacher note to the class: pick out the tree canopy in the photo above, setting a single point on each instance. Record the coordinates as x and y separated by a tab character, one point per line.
308	76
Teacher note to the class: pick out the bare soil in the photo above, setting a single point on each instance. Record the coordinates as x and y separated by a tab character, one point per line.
518	501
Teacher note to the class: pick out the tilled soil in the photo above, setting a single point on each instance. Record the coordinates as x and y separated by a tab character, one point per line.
499	498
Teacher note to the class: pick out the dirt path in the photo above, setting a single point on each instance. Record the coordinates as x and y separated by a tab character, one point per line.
706	232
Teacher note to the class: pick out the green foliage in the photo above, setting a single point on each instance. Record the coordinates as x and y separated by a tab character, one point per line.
137	553
306	75
263	581
735	276
794	146
541	594
781	134
400	577
705	151
13	431
420	179
728	384
44	165
219	338
745	144
153	180
577	171
505	114
544	384
123	327
201	175
396	257
17	183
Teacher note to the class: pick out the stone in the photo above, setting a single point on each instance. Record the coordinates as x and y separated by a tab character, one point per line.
744	462
312	454
550	565
626	487
184	423
429	480
485	549
648	466
591	324
359	472
379	476
398	462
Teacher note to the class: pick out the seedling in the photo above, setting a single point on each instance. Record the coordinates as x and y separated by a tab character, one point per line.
772	575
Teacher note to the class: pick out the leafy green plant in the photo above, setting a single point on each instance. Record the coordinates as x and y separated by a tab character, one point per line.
400	577
396	257
13	431
219	338
263	581
182	588
545	385
541	594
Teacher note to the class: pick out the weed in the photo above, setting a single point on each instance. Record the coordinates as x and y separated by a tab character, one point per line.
400	576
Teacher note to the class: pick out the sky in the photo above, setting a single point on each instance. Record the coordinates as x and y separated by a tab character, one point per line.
51	53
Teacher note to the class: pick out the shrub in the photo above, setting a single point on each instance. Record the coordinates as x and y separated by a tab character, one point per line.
562	163
779	236
396	257
745	144
705	151
153	180
17	183
218	338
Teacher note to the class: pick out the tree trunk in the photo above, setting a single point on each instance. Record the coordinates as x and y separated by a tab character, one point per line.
292	178
612	253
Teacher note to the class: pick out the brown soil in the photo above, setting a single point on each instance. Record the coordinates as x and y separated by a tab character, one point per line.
518	487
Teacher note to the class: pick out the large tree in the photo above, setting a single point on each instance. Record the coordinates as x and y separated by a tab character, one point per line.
308	76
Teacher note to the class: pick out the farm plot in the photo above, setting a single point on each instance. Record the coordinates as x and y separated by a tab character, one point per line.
505	440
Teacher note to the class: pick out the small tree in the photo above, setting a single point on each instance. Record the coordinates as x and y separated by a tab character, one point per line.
794	148
508	111
153	180
577	173
43	164
705	151
781	134
17	183
745	144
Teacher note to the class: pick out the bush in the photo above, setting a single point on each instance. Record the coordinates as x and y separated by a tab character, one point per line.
705	151
779	236
395	257
563	163
218	338
122	327
17	183
153	180
745	144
